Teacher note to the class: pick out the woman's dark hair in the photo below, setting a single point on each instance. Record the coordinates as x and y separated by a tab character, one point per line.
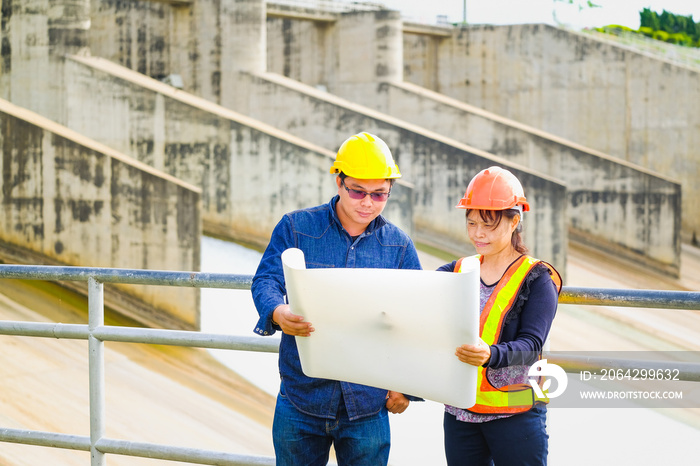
494	217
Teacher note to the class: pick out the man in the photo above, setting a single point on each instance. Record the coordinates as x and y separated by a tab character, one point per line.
311	413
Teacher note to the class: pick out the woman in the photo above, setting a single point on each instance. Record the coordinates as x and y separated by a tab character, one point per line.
518	300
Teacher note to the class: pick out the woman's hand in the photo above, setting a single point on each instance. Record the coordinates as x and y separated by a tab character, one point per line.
476	355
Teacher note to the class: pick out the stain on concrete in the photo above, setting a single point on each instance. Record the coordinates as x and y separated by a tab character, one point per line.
68	38
141	49
58	210
215	78
223	182
507	146
144	150
382	32
6	54
80	209
188	221
287	40
21	144
6	10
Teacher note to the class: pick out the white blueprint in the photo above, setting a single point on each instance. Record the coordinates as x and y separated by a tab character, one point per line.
387	328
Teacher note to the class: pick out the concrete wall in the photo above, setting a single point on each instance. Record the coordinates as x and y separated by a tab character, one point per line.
439	167
370	48
209	42
159	39
250	173
70	201
204	43
610	98
622	216
619	206
304	50
33	34
345	56
359	49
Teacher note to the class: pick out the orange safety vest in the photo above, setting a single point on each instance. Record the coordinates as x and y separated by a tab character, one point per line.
515	398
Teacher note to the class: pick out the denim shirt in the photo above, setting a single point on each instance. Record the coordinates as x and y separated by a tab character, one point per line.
317	231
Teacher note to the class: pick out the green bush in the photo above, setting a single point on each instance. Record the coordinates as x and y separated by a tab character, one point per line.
616	29
666	27
647	31
660	35
672	24
681	38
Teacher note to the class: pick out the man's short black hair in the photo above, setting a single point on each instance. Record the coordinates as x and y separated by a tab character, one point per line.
343	176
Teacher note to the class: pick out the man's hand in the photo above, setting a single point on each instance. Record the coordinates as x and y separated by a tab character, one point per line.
396	403
476	355
290	323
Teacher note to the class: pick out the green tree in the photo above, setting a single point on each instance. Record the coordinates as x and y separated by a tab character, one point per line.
681	24
668	22
649	19
669	27
690	27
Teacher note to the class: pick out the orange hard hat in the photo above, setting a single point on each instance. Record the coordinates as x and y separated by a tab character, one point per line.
494	189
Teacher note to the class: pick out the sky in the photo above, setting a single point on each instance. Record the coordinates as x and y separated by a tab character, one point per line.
623	12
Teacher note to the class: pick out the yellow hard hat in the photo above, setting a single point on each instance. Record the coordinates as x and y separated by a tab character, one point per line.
366	157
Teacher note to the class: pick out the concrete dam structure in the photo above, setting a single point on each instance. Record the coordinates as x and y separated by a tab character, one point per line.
244	102
69	200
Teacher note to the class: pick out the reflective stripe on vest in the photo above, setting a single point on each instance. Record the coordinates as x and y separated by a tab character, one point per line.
515	398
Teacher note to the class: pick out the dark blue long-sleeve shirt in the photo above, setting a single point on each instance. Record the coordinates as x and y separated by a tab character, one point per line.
317	231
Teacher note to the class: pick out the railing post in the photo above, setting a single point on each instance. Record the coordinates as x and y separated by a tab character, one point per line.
97	370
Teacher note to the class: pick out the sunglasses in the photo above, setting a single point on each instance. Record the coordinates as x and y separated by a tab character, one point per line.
357	195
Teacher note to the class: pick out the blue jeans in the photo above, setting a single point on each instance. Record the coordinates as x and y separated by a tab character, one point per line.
517	440
304	440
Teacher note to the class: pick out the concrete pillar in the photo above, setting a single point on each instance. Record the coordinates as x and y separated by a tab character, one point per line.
182	48
370	50
202	76
243	46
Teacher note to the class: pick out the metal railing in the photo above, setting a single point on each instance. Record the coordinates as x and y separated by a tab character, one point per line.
96	332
